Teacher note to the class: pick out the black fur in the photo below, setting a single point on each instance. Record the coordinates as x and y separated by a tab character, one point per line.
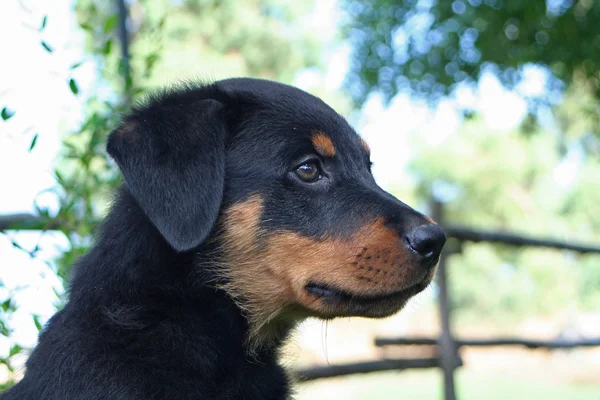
144	319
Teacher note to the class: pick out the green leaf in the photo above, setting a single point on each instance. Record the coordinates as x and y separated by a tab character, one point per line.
5	305
76	65
36	249
86	27
15	349
110	23
44	21
59	178
151	59
33	142
6	114
73	86
47	47
16	245
36	321
162	21
107	47
4	331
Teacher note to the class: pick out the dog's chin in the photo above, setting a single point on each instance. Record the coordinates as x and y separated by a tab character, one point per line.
334	302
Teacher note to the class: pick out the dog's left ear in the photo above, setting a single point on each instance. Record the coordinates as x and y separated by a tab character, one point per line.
173	159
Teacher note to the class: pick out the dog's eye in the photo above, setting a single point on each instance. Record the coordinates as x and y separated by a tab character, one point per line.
309	172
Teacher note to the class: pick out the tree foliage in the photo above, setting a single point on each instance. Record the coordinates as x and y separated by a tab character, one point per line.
430	47
211	39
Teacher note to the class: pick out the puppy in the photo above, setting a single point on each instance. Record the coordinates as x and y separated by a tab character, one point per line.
247	206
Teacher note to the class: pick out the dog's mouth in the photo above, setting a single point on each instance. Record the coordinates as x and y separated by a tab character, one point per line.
340	302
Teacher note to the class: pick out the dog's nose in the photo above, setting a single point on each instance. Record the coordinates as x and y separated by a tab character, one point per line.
427	241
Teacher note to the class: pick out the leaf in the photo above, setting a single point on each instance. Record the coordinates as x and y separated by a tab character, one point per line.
44	21
35	250
73	86
47	47
59	178
76	65
151	59
86	27
16	245
107	47
6	114
33	142
4	331
36	321
110	23
5	305
162	21
15	349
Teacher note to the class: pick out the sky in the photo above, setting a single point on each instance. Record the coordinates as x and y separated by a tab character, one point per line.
34	84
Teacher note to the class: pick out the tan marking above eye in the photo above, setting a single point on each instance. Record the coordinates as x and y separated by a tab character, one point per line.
323	144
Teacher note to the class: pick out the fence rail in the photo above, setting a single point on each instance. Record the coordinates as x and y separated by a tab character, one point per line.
506	341
25	221
22	222
332	371
471	235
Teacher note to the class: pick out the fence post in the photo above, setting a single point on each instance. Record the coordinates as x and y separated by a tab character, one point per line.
124	39
446	345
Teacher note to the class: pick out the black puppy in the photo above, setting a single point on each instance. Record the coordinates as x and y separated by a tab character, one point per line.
248	205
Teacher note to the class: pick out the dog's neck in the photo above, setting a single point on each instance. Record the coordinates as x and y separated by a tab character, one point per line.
141	274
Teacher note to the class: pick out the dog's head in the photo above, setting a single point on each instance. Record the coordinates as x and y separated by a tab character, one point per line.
283	184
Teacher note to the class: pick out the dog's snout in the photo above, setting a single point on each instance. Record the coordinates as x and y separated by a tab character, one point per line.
427	241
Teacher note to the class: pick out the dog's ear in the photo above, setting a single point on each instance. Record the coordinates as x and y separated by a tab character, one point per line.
172	155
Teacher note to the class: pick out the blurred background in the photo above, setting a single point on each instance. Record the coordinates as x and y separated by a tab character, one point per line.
487	111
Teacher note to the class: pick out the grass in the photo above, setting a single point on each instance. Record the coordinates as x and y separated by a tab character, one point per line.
427	385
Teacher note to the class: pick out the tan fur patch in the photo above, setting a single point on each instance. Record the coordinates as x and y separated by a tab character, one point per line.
267	272
323	144
365	145
249	281
370	262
